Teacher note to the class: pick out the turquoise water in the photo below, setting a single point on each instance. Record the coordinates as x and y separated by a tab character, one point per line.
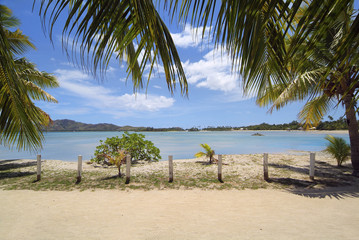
68	145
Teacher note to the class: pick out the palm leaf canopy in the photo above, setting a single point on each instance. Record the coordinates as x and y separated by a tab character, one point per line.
252	32
312	77
21	121
130	30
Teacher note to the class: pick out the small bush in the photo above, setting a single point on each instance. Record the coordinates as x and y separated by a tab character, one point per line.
133	144
338	148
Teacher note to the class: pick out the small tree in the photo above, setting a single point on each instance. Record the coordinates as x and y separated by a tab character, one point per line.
209	152
338	148
118	159
113	150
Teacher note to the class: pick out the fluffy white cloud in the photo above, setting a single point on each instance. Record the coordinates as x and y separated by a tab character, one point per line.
105	100
189	37
213	72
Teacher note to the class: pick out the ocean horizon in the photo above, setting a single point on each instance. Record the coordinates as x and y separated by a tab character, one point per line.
67	146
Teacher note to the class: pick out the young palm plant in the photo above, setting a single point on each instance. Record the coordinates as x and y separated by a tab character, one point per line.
209	152
338	148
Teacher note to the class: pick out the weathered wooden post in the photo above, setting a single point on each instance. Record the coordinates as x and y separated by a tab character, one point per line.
265	166
38	167
79	168
220	168
312	164
170	165
128	166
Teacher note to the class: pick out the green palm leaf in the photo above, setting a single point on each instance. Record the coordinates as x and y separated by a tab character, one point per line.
21	121
133	30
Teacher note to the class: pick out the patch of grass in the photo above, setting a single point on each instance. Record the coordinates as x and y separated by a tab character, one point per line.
14	176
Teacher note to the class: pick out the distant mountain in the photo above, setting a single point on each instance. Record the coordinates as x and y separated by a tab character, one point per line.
70	125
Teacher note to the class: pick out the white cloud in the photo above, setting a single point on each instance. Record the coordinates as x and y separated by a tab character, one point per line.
105	100
214	72
189	37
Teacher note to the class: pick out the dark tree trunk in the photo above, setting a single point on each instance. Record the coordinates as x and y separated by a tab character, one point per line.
353	132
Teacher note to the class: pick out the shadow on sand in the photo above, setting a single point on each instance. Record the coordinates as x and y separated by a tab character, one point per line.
6	165
331	192
329	181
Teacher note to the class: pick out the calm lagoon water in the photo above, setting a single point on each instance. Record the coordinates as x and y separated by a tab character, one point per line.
68	145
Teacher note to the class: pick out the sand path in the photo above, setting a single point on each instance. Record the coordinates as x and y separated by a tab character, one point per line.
177	214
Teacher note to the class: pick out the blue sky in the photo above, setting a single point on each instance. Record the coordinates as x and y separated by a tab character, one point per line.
215	95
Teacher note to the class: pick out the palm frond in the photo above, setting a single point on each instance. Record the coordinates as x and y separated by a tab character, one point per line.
100	28
21	122
314	110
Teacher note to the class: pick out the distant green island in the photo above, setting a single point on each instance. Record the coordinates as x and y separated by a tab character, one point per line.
65	125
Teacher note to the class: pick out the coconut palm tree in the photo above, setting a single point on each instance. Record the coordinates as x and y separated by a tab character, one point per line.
21	121
209	152
308	78
338	148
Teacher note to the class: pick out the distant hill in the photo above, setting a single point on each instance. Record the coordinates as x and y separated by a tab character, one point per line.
70	125
63	125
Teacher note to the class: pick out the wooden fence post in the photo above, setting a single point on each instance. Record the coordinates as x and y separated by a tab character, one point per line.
79	168
128	166
312	164
220	168
170	165
38	167
265	166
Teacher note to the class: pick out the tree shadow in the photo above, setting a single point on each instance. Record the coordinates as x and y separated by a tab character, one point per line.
204	162
111	177
4	175
288	167
6	165
329	181
332	192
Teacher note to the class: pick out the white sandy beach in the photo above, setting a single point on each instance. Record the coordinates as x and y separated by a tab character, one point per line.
178	214
313	212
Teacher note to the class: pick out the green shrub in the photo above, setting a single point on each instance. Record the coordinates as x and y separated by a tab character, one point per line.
338	148
133	144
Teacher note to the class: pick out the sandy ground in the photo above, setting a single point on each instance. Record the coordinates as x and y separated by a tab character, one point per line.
178	214
318	212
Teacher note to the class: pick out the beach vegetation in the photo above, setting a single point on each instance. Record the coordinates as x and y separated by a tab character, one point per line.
113	150
21	83
338	148
313	77
208	152
61	176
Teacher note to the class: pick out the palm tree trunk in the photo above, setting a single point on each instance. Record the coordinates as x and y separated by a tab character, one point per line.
353	132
